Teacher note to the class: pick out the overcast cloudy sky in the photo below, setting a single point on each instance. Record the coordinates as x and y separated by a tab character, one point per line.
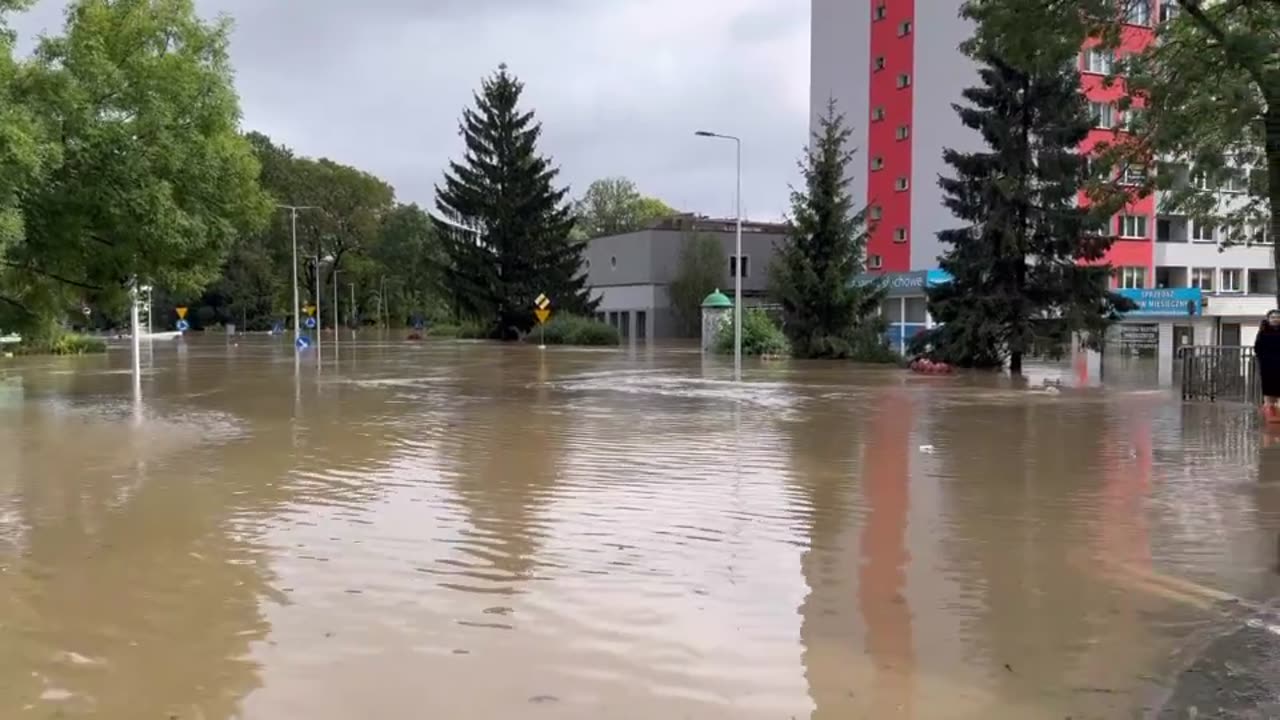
619	85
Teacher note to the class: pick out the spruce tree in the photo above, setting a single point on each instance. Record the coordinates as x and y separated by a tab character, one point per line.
1027	268
503	188
826	313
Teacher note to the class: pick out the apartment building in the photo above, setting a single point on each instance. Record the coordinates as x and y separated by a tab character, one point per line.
894	69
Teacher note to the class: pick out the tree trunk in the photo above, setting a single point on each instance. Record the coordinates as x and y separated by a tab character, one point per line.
1272	121
1015	363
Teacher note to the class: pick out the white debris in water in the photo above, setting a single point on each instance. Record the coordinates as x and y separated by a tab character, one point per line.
76	658
1269	627
927	449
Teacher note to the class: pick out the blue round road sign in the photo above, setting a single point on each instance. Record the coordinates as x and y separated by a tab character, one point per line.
302	343
310	324
183	326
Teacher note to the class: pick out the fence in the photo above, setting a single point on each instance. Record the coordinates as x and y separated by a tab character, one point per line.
1218	372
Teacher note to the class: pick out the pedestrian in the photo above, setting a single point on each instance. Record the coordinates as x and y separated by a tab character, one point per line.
1267	351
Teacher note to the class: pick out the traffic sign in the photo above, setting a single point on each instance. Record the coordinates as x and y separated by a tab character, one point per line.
87	312
183	326
543	314
542	302
182	313
310	323
309	309
302	343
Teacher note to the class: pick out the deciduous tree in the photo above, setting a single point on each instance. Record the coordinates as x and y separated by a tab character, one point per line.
612	206
701	272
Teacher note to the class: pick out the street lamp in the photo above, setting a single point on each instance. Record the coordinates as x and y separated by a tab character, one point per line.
737	263
297	315
320	261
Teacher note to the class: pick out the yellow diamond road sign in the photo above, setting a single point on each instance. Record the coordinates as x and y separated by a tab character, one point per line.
542	302
542	314
309	309
182	313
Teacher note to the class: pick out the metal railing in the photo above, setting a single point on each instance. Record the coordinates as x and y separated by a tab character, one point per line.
1219	372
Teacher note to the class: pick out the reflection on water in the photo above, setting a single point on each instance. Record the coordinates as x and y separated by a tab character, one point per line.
462	530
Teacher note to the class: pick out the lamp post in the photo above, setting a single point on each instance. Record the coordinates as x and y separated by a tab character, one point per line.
293	217
737	263
319	291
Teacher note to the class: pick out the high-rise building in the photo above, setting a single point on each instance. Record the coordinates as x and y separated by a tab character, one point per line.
893	67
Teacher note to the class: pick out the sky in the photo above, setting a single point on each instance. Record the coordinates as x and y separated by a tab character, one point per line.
620	86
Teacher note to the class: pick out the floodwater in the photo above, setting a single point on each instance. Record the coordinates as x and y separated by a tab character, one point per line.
419	530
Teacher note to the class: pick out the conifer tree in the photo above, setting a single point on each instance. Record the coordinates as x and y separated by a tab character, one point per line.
827	314
520	245
1027	267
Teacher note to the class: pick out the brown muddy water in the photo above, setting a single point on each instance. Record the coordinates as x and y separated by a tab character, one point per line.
418	530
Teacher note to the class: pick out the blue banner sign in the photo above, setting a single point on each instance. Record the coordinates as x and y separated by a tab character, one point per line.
1171	302
907	284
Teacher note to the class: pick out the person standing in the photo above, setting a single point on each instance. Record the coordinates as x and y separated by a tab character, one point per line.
1267	351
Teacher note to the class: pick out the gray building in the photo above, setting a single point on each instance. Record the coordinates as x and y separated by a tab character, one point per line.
631	273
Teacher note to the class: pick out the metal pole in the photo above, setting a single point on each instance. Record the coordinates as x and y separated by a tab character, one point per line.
137	335
318	323
352	309
737	278
297	306
335	310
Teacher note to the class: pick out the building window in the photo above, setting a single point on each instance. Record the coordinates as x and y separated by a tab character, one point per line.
876	212
877	113
879	63
1235	181
875	262
904	80
1169	10
901	184
1232	280
1200	180
881	11
877	163
904	132
1103	114
1259	236
900	235
1098	60
1132	278
746	266
904	28
1201	232
613	262
1202	278
1139	12
1134	175
1133	226
1133	119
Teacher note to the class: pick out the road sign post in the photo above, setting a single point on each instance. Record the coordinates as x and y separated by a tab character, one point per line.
182	324
542	310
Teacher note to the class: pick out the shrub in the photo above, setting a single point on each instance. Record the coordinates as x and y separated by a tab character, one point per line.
472	330
574	330
68	344
444	330
760	336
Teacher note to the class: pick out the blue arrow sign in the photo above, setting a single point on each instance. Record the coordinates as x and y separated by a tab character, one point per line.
310	324
183	326
302	343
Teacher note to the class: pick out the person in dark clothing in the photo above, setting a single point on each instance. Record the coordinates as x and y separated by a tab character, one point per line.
1267	350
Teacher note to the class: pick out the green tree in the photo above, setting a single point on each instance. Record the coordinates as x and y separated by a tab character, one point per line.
701	272
1027	268
151	179
408	255
504	189
826	313
612	206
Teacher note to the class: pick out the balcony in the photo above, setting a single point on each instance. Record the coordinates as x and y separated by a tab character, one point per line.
1172	229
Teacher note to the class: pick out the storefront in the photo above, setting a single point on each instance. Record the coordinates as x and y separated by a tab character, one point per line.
905	307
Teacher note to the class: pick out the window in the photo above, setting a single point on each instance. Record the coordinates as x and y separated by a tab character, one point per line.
901	184
875	262
881	11
900	235
879	63
1235	181
1232	280
1169	11
1164	231
904	132
733	266
1200	180
904	80
1133	119
877	114
1139	12
1134	175
1098	60
1259	235
904	28
1103	114
1201	232
877	212
613	262
1228	234
1133	226
1132	278
877	163
1202	278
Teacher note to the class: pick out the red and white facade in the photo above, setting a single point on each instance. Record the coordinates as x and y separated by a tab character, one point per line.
894	69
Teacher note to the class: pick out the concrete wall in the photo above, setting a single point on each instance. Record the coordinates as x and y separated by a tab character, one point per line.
840	56
620	260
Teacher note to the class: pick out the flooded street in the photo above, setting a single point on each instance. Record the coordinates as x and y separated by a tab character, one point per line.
415	530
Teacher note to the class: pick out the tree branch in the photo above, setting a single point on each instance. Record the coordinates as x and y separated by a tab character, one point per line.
16	305
1205	23
51	276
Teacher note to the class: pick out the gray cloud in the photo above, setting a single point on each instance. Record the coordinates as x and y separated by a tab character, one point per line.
619	85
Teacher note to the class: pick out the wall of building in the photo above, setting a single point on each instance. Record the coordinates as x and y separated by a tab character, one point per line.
840	50
620	260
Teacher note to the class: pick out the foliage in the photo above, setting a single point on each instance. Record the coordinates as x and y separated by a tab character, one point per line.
612	206
760	336
701	272
825	249
472	330
1027	268
444	330
150	178
567	329
63	344
521	247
